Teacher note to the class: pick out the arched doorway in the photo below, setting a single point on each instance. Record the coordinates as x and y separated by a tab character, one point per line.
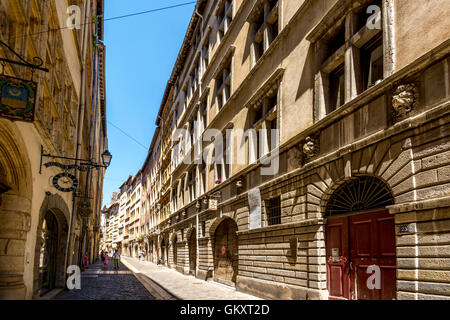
51	246
360	233
48	253
226	252
193	252
174	249
15	210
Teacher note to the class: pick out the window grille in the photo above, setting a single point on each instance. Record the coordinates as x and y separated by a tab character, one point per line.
274	211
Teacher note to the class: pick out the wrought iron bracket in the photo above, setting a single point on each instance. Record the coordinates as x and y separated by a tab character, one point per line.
37	62
85	165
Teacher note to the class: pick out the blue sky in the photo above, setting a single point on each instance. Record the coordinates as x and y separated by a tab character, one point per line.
141	52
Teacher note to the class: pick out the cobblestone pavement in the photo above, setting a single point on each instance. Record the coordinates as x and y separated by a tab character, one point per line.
182	286
98	283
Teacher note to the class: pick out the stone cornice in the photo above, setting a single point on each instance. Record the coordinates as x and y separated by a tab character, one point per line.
273	82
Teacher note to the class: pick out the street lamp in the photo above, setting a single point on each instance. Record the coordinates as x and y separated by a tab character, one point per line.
106	157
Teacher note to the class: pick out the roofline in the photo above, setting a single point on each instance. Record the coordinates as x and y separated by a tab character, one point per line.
182	55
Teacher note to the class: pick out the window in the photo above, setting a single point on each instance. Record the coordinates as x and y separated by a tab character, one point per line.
182	193
174	199
205	53
175	115
274	211
264	120
203	116
224	18
192	133
222	168
185	98
223	86
264	19
192	185
337	89
351	59
372	63
202	170
195	77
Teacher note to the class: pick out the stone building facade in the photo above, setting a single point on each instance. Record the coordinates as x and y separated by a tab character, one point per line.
358	100
41	230
111	225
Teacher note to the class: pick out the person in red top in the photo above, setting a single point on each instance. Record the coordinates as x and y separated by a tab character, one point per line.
85	261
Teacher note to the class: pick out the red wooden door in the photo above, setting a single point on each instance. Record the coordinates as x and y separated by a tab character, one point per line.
337	258
353	244
372	242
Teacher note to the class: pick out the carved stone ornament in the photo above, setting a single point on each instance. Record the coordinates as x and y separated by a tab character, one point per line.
294	157
404	100
310	147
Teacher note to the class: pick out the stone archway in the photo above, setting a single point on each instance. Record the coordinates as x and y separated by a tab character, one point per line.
53	206
225	250
15	210
360	232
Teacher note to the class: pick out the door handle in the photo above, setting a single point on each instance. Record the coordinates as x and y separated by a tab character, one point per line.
351	266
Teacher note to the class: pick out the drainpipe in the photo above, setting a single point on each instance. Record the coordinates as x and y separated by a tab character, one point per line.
81	112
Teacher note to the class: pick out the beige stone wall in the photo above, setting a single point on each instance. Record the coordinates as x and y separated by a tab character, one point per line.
423	256
413	19
403	142
55	129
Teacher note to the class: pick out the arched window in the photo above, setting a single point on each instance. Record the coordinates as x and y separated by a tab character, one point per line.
362	193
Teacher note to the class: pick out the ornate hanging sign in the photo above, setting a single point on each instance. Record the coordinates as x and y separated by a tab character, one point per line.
17	98
66	167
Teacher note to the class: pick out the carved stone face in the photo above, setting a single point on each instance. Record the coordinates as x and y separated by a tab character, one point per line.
309	148
404	99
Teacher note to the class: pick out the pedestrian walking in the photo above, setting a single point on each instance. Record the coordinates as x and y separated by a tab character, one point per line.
105	261
116	257
85	260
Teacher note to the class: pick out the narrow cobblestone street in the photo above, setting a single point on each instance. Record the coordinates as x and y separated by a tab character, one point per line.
142	280
99	283
182	286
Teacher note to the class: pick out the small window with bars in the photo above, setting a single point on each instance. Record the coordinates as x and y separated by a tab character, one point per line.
274	211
